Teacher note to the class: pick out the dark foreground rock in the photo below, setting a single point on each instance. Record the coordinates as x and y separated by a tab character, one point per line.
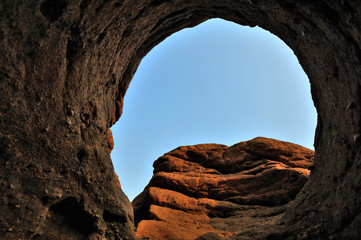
210	189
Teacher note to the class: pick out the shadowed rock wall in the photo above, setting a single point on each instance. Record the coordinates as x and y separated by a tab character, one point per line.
65	67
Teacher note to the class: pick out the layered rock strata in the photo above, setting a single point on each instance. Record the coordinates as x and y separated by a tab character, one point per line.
235	192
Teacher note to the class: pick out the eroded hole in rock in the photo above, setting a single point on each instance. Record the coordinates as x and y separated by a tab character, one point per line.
82	154
48	67
169	99
111	217
69	219
226	92
53	9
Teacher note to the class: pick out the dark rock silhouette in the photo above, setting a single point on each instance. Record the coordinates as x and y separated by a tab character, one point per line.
215	188
66	65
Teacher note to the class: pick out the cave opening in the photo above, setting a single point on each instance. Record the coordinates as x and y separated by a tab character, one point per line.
64	62
218	82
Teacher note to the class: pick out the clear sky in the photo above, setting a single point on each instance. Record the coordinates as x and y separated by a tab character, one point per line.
218	82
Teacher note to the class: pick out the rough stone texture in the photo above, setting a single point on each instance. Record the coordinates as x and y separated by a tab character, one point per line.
66	65
207	188
110	140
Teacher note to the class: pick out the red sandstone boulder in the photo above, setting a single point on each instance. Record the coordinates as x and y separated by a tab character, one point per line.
213	190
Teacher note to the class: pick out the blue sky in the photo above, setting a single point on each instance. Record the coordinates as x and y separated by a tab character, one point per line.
218	82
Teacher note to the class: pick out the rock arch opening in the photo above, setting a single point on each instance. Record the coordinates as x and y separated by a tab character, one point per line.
218	82
64	72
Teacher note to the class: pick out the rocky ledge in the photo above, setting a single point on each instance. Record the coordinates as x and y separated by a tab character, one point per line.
212	191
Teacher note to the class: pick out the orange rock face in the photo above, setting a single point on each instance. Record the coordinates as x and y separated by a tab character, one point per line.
212	188
110	140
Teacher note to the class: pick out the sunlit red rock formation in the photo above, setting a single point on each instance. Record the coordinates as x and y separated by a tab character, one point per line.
212	188
110	142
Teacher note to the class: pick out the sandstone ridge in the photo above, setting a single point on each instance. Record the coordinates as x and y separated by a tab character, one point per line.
213	190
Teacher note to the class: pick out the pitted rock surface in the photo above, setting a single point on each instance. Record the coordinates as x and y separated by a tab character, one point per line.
214	188
66	65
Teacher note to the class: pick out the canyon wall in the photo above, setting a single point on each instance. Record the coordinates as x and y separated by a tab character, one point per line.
66	65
